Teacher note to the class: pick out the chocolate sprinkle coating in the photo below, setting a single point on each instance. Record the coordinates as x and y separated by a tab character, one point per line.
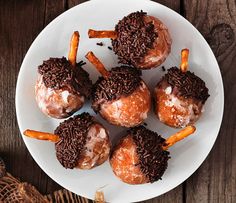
122	81
73	135
153	160
58	73
187	85
134	38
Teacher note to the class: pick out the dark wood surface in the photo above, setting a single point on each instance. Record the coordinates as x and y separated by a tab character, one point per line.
22	20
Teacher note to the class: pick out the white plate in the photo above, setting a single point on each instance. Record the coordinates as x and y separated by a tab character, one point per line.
186	156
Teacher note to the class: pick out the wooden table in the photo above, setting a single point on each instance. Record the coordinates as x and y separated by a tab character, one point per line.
22	20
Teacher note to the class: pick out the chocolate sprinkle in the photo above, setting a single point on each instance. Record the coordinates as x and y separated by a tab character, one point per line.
163	68
100	44
134	38
58	73
153	160
187	85
109	48
73	135
121	82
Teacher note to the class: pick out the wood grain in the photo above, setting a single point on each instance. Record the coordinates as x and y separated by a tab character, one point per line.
72	3
21	21
215	181
175	5
52	9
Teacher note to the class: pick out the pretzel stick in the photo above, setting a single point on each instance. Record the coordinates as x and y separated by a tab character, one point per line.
102	34
184	60
74	42
98	64
178	136
99	197
41	135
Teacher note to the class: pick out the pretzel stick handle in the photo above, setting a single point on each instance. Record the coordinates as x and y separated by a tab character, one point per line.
74	43
102	34
98	64
99	197
41	135
184	60
179	136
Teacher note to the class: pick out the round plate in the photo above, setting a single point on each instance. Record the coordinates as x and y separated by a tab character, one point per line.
53	41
